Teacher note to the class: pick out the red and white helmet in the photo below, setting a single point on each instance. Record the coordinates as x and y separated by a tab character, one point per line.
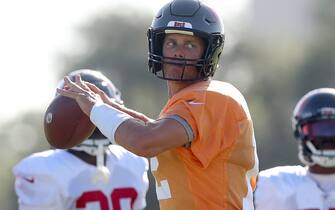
314	127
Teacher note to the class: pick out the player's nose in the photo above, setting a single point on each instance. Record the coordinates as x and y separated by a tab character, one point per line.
179	52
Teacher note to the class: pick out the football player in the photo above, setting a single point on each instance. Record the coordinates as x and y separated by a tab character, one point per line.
93	175
312	186
203	138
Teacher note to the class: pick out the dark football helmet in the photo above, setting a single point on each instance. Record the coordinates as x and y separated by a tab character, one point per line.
190	17
91	145
314	127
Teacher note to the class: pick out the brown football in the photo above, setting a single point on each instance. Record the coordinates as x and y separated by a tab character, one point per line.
65	125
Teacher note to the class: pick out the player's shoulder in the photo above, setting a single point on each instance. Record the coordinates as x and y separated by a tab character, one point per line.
216	96
42	162
221	91
215	86
36	160
282	177
226	91
219	94
210	88
222	87
127	158
282	172
276	187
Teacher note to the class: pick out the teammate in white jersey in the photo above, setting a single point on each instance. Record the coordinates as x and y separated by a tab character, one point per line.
311	187
94	175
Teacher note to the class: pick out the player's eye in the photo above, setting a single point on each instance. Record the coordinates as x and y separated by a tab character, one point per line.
189	46
169	43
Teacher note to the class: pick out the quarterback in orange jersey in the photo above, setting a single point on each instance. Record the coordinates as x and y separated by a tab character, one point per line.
211	173
202	146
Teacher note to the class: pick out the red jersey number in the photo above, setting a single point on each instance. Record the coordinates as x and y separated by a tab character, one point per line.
98	196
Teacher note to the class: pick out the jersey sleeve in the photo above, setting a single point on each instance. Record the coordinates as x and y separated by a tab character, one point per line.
36	191
213	124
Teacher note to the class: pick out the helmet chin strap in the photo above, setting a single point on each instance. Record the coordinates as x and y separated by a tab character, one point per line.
324	158
90	146
96	147
103	172
100	155
303	157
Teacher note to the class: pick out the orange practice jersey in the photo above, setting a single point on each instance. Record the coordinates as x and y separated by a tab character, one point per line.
215	171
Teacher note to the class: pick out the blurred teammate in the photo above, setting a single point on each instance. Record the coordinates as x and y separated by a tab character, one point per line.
311	187
203	138
94	175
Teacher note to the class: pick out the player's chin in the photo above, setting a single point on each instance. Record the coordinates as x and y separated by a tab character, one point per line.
176	72
173	74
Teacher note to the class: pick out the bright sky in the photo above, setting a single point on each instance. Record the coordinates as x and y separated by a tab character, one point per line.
34	31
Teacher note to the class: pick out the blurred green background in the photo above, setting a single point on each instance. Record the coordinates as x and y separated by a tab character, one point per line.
275	52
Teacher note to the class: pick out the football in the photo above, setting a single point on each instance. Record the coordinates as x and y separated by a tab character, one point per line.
65	125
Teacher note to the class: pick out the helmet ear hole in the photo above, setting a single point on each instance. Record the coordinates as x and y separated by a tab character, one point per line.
296	134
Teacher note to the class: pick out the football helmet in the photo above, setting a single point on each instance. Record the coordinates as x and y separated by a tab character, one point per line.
190	17
314	126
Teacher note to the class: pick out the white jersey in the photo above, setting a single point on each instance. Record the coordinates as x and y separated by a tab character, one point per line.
291	188
58	180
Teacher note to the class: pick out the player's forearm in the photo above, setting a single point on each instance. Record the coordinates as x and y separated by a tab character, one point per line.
132	133
131	112
136	115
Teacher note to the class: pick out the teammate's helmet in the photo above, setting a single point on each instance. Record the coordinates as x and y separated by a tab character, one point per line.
102	82
314	127
190	17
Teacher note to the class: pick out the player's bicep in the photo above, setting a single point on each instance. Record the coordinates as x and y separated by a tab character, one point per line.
151	138
168	133
36	192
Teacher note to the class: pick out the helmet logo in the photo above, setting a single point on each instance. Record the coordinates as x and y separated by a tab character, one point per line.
327	111
179	24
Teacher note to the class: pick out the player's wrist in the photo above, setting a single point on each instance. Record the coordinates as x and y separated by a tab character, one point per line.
107	119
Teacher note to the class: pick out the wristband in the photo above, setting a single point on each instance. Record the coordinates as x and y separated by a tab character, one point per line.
107	119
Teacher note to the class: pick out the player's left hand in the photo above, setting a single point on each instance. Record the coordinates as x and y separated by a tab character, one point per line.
79	91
